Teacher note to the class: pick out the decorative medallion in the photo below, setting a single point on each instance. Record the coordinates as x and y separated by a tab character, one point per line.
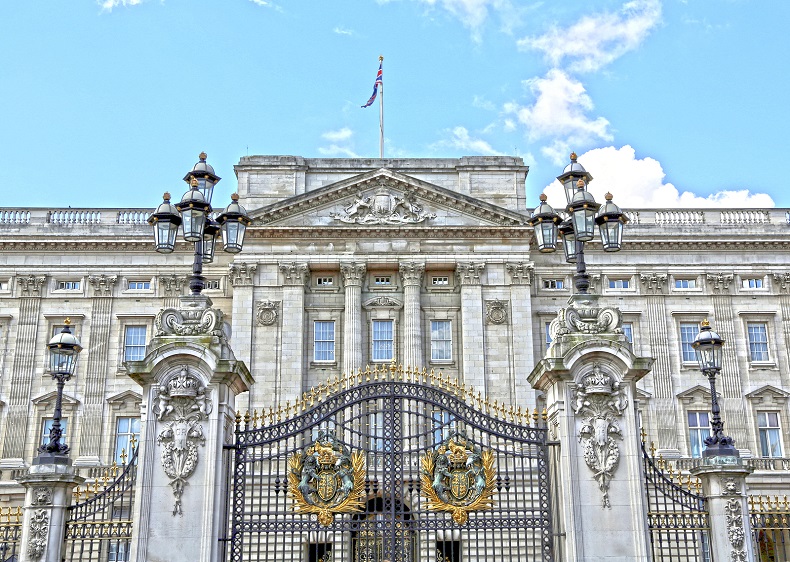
180	405
496	311
383	207
39	533
458	478
42	496
267	312
327	479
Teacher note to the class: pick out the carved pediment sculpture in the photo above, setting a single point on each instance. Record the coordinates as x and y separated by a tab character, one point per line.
383	207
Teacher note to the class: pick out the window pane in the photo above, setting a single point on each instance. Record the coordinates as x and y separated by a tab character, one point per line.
548	334
688	332
47	427
382	340
324	341
441	340
758	341
134	343
125	429
628	330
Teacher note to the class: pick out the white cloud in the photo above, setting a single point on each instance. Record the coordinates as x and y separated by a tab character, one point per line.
343	31
335	150
597	40
461	140
483	103
560	113
108	5
340	135
474	13
639	183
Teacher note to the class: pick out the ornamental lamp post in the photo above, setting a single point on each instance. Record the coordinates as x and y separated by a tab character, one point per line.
707	346
579	226
193	215
63	351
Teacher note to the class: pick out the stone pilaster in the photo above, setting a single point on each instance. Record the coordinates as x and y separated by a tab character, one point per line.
654	286
521	331
782	286
729	384
589	379
724	485
24	366
171	287
472	327
241	277
48	490
96	371
353	273
292	367
411	275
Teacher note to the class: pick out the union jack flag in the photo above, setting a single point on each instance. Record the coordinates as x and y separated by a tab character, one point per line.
375	87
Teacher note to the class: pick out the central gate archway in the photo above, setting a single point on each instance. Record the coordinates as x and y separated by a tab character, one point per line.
389	466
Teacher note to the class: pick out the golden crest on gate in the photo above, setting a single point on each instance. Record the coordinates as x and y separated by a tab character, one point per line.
327	479
458	477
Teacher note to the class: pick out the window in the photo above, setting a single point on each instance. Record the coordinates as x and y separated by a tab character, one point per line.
553	284
548	334
376	432
441	340
685	283
443	425
688	333
380	280
628	330
758	341
768	427
441	280
118	551
68	285
752	283
139	285
319	552
4	285
325	281
619	283
382	340
324	339
699	429
134	343
126	431
211	284
47	427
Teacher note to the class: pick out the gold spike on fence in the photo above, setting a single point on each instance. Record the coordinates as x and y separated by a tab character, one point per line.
11	515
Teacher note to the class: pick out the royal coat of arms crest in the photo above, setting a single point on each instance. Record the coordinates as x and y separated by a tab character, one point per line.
458	477
327	479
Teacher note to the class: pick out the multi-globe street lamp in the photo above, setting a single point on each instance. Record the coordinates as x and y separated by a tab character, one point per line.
193	214
64	349
583	213
708	345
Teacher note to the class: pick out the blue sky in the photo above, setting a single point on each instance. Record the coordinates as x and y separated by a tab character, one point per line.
667	102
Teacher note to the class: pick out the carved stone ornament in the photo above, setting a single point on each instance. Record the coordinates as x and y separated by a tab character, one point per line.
383	207
241	273
39	532
353	273
173	285
520	273
294	273
458	477
411	272
782	281
729	487
180	404
469	273
654	282
586	318
496	311
327	479
42	496
720	282
600	402
733	510
189	319
31	285
267	312
382	301
102	284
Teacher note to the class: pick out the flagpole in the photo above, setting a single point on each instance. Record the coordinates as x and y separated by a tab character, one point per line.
381	114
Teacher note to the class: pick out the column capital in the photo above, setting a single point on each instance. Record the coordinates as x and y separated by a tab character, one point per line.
31	285
720	282
520	273
353	273
411	272
294	273
242	273
172	285
782	282
655	283
468	273
102	284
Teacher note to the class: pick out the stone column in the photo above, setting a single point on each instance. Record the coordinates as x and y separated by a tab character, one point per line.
521	331
654	285
353	273
96	370
472	339
240	277
189	389
733	407
411	275
48	488
589	378
292	371
724	484
782	286
23	369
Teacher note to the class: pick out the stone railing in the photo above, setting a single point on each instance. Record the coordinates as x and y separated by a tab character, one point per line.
17	216
691	217
756	464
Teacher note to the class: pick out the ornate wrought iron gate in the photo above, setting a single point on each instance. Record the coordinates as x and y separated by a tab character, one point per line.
390	466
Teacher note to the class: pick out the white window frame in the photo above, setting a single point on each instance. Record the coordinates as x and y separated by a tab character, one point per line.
316	341
440	280
5	285
763	348
547	334
628	331
212	284
123	440
687	355
550	283
775	429
620	283
697	433
130	285
127	346
679	280
382	280
751	283
325	281
373	340
69	285
448	340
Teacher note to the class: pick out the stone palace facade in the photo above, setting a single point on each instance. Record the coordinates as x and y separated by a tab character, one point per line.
423	262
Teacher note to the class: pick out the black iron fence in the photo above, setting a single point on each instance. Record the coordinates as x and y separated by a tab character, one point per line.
770	521
10	533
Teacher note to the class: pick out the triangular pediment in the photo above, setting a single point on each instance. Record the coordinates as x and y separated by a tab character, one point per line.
48	398
768	395
697	395
384	198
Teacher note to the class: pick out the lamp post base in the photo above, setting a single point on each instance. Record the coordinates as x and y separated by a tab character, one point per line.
720	450
51	458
